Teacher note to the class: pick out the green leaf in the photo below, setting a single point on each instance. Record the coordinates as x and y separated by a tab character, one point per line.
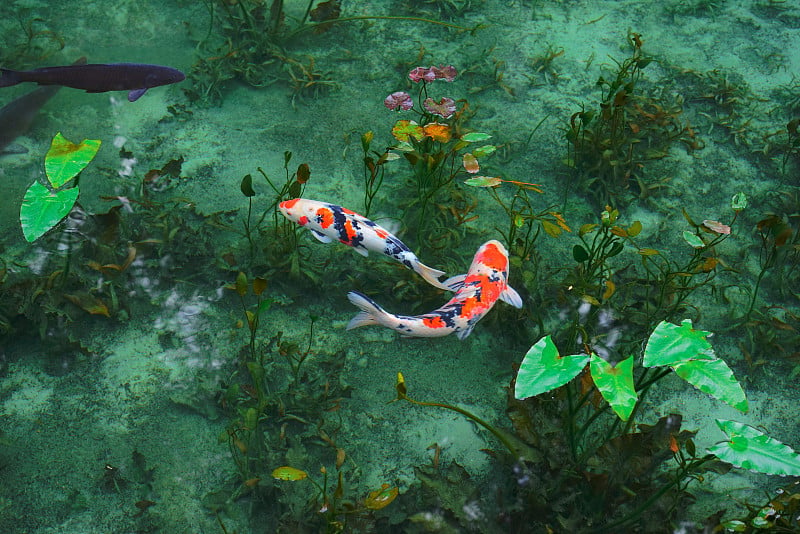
750	449
405	129
670	344
739	202
475	137
542	369
65	159
693	240
615	384
42	209
247	186
715	378
483	151
579	254
483	181
289	473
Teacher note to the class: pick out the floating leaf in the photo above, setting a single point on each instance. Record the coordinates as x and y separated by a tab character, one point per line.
750	449
615	384
693	239
739	202
483	181
470	163
483	151
380	498
716	226
65	159
404	129
634	229
289	473
670	344
474	137
42	209
438	132
542	369
715	378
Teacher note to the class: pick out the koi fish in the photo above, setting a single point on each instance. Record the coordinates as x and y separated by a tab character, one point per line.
136	78
485	283
328	222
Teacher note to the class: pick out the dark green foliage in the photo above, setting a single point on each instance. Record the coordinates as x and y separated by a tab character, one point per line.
608	147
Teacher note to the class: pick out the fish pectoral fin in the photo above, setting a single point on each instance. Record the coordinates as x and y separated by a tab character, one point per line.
321	237
364	252
454	283
461	334
134	95
510	296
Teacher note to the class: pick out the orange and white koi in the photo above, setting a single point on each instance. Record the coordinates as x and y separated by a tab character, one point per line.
329	222
485	283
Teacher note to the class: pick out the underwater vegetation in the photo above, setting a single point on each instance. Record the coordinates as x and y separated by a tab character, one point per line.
613	301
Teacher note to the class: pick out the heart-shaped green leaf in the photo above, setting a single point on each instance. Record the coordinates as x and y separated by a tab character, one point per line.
750	449
670	344
715	378
65	159
42	209
542	369
615	384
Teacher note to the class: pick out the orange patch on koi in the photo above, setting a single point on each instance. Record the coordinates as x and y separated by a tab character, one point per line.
493	258
302	221
326	217
289	204
433	322
349	231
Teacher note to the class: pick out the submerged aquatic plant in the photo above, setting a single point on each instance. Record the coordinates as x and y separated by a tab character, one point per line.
435	145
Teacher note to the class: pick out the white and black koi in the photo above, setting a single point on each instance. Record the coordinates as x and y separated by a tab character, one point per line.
485	283
329	222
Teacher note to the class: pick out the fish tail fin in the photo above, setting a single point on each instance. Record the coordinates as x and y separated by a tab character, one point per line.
370	310
430	275
9	78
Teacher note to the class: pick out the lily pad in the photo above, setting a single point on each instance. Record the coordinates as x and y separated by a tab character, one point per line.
483	181
42	209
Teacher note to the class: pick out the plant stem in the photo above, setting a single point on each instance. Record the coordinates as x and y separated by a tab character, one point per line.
469	415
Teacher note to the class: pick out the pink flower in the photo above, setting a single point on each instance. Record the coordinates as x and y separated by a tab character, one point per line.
444	108
398	100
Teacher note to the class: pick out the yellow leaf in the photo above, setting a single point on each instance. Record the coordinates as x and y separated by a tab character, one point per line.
437	131
380	498
470	163
611	287
289	473
648	252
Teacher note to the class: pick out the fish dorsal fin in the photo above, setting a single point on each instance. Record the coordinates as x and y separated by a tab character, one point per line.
361	250
134	95
454	283
321	237
510	296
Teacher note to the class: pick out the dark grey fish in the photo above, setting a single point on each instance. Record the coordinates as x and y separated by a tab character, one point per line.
98	78
17	116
